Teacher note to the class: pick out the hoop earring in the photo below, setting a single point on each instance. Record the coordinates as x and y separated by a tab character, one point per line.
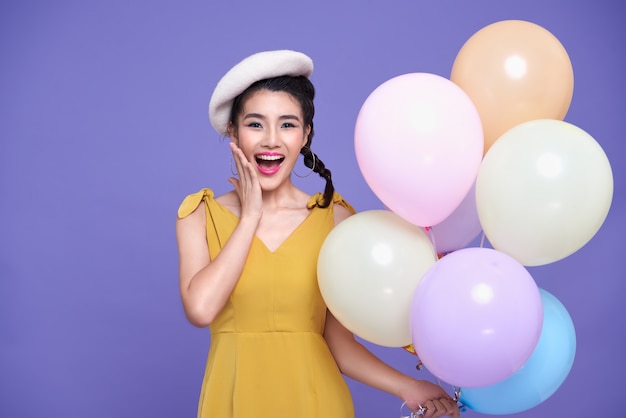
233	171
307	174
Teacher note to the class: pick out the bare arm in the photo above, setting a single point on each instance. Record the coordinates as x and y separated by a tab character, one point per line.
206	285
357	362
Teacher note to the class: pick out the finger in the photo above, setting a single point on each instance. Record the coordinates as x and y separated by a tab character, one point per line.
239	158
448	407
430	410
453	409
251	173
248	171
441	408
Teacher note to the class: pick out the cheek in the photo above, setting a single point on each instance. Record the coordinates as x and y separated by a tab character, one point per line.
305	138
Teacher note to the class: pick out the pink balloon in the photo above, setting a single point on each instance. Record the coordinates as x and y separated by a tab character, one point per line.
476	317
419	144
458	229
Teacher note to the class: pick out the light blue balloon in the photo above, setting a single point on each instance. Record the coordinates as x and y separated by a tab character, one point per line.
541	375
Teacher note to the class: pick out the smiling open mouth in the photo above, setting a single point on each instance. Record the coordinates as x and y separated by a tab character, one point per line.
269	163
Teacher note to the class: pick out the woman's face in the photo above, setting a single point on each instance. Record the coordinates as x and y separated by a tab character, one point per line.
270	132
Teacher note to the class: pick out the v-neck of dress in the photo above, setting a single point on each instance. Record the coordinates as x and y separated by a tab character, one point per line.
298	227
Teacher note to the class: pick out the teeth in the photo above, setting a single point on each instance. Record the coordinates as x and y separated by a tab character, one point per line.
269	157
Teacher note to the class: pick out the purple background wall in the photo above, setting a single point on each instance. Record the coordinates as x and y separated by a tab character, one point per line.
103	131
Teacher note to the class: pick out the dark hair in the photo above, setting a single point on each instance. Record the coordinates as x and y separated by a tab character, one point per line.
303	91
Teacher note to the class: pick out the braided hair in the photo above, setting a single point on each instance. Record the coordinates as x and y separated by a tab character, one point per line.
303	91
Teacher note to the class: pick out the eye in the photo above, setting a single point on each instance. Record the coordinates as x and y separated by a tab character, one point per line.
289	125
254	125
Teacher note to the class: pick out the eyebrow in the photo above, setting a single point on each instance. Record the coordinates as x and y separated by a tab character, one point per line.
259	116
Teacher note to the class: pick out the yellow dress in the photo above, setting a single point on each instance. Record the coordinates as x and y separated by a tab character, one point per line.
268	357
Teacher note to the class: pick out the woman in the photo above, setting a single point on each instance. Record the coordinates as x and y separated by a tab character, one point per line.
248	263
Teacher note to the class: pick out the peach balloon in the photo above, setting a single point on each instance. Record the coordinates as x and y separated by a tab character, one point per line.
514	71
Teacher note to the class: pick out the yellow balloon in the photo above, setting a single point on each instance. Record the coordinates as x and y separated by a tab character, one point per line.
514	71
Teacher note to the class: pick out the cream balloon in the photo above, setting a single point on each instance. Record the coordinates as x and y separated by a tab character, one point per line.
368	269
543	190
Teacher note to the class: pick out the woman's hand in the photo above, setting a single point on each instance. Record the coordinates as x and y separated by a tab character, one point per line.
247	186
431	397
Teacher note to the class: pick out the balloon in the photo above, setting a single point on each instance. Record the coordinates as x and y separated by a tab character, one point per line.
418	142
541	375
543	190
458	229
475	317
410	349
514	71
368	268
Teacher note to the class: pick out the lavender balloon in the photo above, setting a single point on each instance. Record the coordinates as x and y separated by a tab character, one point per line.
540	376
460	228
475	317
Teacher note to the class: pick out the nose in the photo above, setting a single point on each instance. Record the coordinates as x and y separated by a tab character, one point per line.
272	138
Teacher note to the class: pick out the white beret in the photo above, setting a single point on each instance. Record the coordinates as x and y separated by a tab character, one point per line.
256	67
